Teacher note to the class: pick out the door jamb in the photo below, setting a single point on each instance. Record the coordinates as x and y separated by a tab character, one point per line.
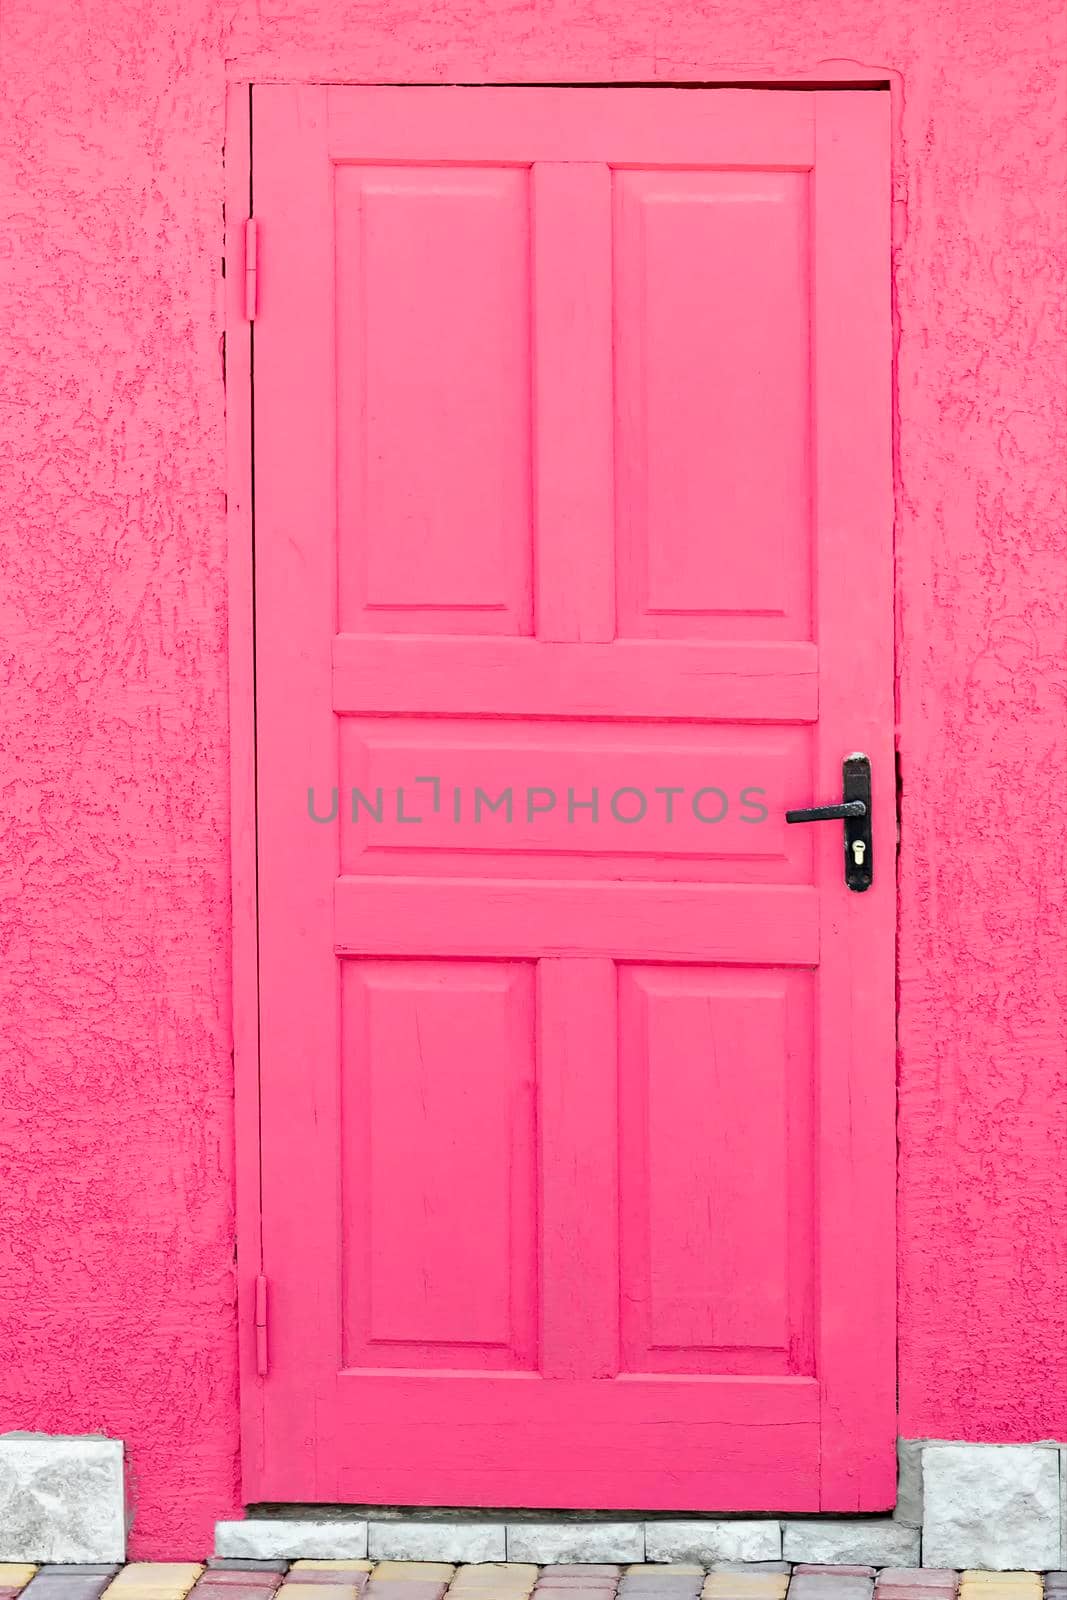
236	346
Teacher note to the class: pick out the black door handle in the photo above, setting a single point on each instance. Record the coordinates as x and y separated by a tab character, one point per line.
855	811
847	808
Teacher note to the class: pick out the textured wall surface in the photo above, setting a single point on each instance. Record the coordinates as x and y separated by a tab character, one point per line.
116	1250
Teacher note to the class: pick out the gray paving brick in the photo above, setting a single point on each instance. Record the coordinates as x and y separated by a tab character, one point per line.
94	1569
834	1571
244	1564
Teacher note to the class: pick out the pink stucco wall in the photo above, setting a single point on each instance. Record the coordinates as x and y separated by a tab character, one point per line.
116	1241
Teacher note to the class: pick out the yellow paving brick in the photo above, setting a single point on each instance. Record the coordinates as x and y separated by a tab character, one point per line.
1029	1578
160	1571
1024	1581
488	1571
15	1574
156	1578
331	1566
147	1588
986	1591
1018	1587
428	1571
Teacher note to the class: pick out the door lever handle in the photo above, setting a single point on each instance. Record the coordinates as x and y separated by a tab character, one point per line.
847	808
855	812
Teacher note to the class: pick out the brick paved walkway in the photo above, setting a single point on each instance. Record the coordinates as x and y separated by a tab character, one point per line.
430	1580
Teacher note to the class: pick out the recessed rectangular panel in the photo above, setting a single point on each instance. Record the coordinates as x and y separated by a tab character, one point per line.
433	373
491	795
712	404
715	1097
437	1091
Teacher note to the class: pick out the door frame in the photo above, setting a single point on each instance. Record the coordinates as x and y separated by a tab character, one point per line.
238	354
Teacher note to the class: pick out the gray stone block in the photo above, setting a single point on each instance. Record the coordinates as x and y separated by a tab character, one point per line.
707	1541
993	1506
264	1539
546	1542
61	1499
867	1541
437	1541
909	1506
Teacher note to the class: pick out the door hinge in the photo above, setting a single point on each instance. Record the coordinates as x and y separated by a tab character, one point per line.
251	267
261	1326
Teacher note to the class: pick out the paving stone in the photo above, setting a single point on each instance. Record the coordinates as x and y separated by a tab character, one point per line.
62	1499
480	1577
437	1541
679	1590
915	1591
665	1574
718	1578
16	1574
66	1587
83	1569
874	1542
996	1591
414	1571
547	1542
247	1564
1027	1579
331	1579
990	1506
581	1592
498	1569
574	1580
566	1591
351	1590
688	1569
813	1586
699	1539
223	1588
740	1586
834	1572
66	1582
919	1576
9	1591
586	1569
749	1583
227	1577
751	1566
680	1587
172	1574
404	1589
342	1564
265	1538
986	1591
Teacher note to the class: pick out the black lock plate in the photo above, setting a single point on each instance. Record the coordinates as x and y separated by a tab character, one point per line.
856	785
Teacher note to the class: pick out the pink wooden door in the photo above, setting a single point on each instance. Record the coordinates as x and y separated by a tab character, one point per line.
572	445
